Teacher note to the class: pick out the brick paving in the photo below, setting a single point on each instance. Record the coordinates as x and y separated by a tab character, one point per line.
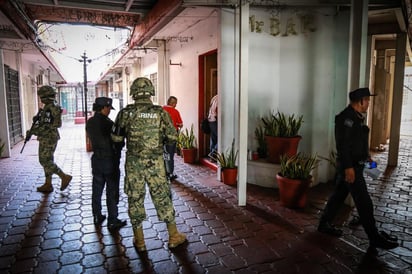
54	233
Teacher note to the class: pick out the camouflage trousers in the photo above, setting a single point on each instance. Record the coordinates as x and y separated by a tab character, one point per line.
151	171
46	156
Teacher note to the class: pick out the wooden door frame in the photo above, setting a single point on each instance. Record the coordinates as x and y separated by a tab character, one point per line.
202	107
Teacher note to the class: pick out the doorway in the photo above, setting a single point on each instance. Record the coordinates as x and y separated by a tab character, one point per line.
207	89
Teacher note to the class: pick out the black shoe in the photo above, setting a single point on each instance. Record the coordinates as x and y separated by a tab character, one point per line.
327	228
98	219
355	221
381	242
392	238
171	177
116	224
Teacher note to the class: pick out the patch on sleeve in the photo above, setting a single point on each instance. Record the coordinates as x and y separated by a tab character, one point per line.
348	123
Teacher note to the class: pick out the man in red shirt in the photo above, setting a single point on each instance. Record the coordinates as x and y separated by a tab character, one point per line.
170	149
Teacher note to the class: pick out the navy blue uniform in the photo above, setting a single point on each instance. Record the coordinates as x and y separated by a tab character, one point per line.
105	165
351	135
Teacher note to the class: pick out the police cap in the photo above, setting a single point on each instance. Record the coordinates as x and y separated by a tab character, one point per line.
104	102
359	93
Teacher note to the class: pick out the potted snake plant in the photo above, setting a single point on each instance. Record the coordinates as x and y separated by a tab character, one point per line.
227	161
295	178
281	135
187	144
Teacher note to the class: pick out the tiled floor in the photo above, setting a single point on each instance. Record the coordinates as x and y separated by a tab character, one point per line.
55	233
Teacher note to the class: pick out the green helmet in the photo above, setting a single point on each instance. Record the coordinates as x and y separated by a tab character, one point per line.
46	92
142	87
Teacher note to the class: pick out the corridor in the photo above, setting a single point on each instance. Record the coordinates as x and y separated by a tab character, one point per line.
54	233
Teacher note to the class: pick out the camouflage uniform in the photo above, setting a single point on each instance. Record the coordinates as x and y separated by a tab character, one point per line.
147	128
47	122
48	136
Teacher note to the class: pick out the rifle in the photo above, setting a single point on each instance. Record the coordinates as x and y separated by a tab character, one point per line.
36	119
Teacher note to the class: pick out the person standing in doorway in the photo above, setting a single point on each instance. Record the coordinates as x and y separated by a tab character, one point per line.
45	127
170	148
146	128
105	164
352	145
212	117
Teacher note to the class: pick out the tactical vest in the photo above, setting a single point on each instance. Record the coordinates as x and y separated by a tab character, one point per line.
49	121
144	128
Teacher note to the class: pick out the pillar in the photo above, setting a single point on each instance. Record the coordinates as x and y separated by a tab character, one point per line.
397	99
243	102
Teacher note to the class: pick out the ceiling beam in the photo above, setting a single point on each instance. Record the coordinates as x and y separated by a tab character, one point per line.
289	3
140	7
384	28
161	14
128	5
81	16
20	20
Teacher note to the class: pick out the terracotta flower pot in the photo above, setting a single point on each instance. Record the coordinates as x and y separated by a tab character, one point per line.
277	146
229	176
293	192
189	155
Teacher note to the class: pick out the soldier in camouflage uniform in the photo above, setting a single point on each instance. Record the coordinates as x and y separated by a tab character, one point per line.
146	127
45	127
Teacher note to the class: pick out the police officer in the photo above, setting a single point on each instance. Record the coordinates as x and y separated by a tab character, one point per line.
48	120
105	164
147	128
352	145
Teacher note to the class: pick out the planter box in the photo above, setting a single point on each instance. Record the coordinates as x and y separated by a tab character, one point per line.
263	173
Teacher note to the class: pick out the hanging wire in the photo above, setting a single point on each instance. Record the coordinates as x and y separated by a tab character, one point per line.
111	52
41	44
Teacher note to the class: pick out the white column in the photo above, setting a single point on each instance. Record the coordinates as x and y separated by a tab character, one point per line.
358	30
4	125
162	73
358	27
243	102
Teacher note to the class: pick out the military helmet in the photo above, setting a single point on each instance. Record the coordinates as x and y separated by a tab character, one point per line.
46	92
142	86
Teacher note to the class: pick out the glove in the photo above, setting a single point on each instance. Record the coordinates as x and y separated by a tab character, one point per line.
37	116
28	136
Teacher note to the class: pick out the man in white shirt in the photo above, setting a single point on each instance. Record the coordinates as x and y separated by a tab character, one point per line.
212	117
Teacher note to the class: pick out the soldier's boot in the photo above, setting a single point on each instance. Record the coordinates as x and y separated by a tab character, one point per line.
65	180
47	186
175	237
138	240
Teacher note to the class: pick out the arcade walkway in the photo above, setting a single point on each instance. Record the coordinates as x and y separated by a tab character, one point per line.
54	233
